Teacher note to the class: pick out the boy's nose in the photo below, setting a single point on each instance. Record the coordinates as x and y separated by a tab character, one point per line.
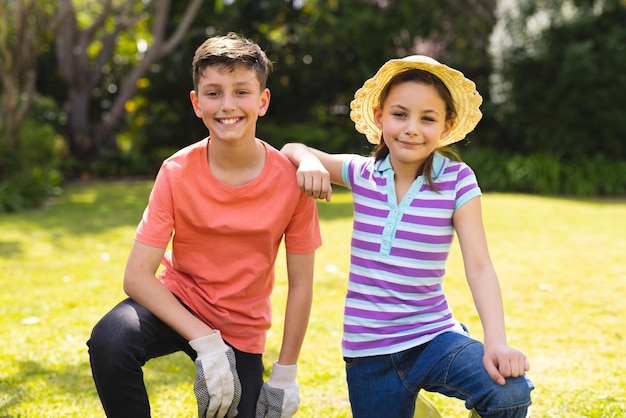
229	103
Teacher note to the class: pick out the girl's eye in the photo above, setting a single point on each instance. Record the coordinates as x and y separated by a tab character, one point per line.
428	119
399	114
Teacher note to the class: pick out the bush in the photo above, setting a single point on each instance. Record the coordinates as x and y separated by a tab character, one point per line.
546	174
28	173
565	94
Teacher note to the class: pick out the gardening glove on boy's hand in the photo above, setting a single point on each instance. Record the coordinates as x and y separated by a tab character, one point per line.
217	385
279	395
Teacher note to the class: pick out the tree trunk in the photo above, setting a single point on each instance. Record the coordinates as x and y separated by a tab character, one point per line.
88	139
20	25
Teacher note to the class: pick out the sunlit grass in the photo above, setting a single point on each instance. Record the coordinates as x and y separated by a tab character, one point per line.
561	263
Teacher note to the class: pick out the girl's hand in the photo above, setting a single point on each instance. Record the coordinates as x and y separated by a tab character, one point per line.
502	361
314	179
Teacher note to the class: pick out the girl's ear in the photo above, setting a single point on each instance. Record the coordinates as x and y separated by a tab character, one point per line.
447	128
378	117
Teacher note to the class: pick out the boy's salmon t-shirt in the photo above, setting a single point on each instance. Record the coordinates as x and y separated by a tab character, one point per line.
225	239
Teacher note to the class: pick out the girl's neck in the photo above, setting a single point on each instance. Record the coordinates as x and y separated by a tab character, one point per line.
404	176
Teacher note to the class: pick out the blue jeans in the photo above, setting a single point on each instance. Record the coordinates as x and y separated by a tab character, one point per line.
128	336
451	364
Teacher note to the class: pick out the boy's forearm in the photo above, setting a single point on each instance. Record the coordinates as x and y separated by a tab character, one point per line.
298	308
296	322
161	302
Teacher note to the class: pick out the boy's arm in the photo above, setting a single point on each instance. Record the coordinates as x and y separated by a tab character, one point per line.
500	360
217	386
141	284
316	169
299	299
281	392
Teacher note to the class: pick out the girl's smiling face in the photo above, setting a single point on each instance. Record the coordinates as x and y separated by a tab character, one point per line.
412	120
229	102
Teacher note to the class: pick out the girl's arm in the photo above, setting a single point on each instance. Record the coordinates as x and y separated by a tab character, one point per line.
500	360
316	169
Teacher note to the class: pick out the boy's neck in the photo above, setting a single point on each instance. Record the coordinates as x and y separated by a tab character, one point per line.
236	163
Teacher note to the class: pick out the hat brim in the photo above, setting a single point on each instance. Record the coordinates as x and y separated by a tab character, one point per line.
466	98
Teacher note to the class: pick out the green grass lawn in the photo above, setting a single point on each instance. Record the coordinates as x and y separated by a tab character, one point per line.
561	262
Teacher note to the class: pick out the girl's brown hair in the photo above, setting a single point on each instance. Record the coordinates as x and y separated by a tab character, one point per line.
419	76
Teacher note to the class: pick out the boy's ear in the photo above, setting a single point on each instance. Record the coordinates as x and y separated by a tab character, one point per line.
194	103
264	103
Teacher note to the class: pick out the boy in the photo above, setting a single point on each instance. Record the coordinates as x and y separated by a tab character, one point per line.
225	202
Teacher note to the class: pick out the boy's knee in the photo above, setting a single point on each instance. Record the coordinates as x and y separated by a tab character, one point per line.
100	344
110	339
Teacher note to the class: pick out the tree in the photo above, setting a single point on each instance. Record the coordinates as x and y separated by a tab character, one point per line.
560	69
92	61
323	50
22	23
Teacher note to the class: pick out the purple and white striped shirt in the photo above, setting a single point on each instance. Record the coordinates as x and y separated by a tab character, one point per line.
395	298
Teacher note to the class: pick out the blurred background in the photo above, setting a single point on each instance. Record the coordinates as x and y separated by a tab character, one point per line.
100	89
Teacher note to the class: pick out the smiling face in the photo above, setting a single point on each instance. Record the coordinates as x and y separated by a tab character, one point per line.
229	101
412	120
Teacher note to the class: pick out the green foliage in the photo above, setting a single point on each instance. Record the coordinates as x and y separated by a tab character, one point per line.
547	173
28	173
331	137
322	52
566	92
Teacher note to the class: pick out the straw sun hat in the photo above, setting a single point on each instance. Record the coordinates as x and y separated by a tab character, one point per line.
466	99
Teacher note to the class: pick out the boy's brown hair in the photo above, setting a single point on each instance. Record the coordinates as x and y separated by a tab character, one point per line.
229	51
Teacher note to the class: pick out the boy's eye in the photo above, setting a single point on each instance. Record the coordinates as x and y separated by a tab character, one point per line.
242	92
212	93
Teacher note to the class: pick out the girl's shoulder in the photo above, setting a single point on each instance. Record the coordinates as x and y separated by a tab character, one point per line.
445	165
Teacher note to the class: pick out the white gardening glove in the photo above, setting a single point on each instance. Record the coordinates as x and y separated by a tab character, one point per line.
279	395
217	385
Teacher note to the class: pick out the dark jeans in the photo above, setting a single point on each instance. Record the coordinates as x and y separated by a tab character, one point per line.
451	364
128	336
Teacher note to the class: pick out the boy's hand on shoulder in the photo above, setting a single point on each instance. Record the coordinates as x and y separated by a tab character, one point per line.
314	179
279	396
502	361
217	386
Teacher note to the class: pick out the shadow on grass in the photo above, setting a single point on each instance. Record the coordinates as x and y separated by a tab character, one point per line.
74	383
10	248
92	207
32	381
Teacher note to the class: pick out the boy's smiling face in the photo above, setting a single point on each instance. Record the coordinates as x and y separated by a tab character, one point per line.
229	102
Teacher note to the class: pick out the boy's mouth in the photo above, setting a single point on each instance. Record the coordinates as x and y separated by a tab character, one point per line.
229	121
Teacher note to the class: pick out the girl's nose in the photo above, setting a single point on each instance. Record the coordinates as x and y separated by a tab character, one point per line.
411	128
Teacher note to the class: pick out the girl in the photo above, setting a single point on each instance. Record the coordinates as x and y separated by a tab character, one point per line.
400	335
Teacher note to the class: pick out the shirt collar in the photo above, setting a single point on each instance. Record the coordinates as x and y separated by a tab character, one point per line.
438	164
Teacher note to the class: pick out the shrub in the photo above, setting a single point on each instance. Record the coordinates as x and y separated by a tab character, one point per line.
28	173
546	173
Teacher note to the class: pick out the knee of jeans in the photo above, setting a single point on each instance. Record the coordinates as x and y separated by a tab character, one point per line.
109	342
514	394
